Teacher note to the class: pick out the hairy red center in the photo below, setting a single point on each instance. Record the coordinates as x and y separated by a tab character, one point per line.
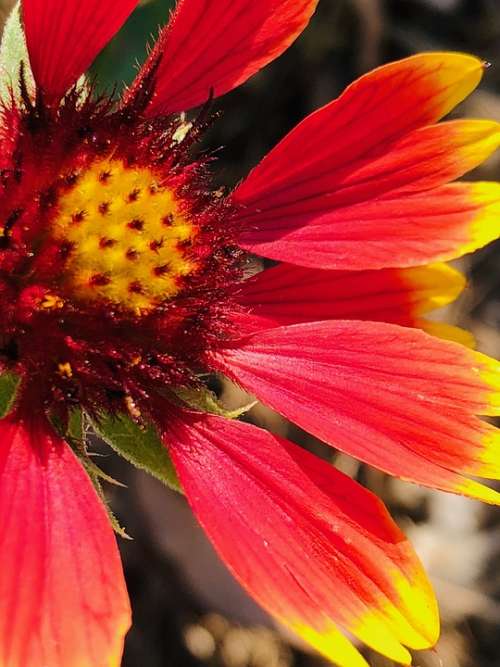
117	262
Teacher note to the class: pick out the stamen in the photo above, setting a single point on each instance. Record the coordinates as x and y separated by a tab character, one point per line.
52	302
65	370
132	408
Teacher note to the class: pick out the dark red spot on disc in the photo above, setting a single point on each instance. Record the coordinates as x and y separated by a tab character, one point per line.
134	195
161	270
135	287
99	280
156	245
104	176
78	217
136	224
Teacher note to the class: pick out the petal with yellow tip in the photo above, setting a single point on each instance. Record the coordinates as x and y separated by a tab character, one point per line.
331	643
288	294
316	550
447	332
394	397
345	189
399	230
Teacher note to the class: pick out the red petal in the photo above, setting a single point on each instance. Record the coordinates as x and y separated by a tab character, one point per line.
394	397
422	159
63	601
296	533
216	45
401	230
343	176
65	36
288	294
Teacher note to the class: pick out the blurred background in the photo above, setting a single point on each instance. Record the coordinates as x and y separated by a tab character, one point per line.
189	612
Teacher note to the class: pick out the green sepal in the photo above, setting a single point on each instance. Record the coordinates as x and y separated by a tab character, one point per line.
75	427
75	436
96	481
9	384
13	52
140	445
206	401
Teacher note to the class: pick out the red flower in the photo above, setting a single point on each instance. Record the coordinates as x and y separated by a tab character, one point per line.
121	280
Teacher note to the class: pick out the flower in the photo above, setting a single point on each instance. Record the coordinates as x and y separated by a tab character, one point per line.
122	288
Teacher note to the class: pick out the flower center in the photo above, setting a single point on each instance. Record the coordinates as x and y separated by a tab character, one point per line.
126	236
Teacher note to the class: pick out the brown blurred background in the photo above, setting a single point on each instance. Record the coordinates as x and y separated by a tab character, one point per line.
188	610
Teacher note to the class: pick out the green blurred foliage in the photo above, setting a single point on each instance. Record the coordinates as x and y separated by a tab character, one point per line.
118	62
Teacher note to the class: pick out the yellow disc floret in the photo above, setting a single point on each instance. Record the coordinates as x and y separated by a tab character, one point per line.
125	234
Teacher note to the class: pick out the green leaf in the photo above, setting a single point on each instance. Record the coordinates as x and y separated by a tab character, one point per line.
141	446
206	401
9	384
119	60
75	430
13	52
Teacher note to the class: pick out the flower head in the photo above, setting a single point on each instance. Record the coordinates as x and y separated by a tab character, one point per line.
116	256
123	287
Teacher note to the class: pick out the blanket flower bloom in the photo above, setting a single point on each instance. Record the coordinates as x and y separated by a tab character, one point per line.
122	284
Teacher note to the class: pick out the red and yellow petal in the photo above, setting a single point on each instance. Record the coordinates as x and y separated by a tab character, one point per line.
402	230
346	187
296	533
211	47
63	600
377	110
393	397
422	159
289	294
64	38
482	223
446	331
